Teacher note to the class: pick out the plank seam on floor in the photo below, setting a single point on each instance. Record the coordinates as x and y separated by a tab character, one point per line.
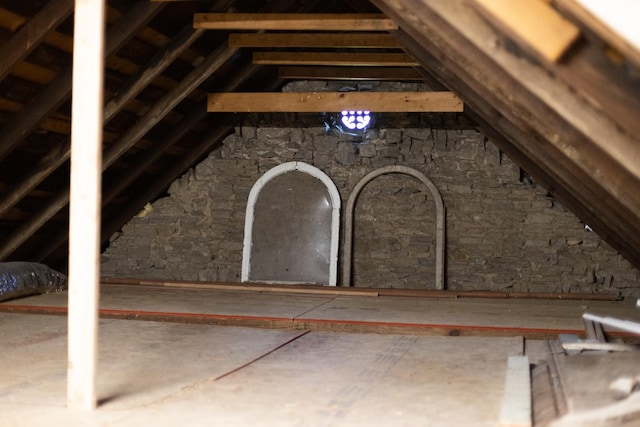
313	308
286	343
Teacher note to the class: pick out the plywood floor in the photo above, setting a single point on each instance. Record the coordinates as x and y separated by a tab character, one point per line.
195	361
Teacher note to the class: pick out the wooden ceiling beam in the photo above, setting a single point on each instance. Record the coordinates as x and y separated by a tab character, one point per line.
314	40
293	21
343	59
350	73
318	102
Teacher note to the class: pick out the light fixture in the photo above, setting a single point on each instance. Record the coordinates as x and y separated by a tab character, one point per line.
356	120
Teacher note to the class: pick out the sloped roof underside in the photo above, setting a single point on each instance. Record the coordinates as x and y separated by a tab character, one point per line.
570	122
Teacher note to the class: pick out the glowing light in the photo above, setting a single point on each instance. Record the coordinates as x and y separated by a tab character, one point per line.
356	119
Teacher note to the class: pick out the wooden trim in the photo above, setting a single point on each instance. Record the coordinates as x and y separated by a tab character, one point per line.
318	40
350	73
345	59
293	21
318	102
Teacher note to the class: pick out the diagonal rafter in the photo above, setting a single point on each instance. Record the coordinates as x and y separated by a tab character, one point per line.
60	153
172	98
27	120
565	143
152	155
30	34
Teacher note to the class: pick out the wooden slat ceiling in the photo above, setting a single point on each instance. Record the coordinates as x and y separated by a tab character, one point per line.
560	97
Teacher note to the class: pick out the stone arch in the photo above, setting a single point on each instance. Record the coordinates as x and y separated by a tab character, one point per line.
440	220
334	197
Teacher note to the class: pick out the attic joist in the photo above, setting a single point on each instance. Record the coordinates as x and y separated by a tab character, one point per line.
318	102
577	151
314	40
343	59
350	73
293	21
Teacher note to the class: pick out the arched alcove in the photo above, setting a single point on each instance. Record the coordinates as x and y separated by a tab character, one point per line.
291	227
440	220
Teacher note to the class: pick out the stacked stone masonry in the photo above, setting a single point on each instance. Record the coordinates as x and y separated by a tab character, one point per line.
503	231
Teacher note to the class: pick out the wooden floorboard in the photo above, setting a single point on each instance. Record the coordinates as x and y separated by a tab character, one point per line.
532	318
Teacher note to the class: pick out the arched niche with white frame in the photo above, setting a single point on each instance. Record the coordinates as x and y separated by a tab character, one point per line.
440	220
291	227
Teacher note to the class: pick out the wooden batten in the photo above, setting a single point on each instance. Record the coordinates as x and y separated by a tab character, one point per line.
315	40
318	102
350	73
344	59
293	21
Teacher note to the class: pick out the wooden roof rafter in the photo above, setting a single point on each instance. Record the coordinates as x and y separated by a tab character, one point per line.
572	144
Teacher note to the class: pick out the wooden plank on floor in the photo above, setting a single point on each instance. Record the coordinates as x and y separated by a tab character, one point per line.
516	403
405	315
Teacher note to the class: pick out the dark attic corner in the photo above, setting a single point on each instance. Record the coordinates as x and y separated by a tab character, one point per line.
393	206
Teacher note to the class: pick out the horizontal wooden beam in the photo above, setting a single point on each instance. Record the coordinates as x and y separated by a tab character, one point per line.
316	40
318	102
345	59
350	73
293	21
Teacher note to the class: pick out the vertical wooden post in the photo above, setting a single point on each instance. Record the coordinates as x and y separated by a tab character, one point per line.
84	215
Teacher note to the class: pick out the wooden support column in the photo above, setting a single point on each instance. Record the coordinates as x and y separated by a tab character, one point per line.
84	215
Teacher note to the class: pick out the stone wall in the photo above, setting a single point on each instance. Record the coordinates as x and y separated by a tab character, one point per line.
503	232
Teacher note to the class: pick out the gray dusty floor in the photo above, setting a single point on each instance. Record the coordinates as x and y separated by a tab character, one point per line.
166	374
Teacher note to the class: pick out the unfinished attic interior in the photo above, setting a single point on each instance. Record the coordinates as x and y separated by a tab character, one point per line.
384	212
